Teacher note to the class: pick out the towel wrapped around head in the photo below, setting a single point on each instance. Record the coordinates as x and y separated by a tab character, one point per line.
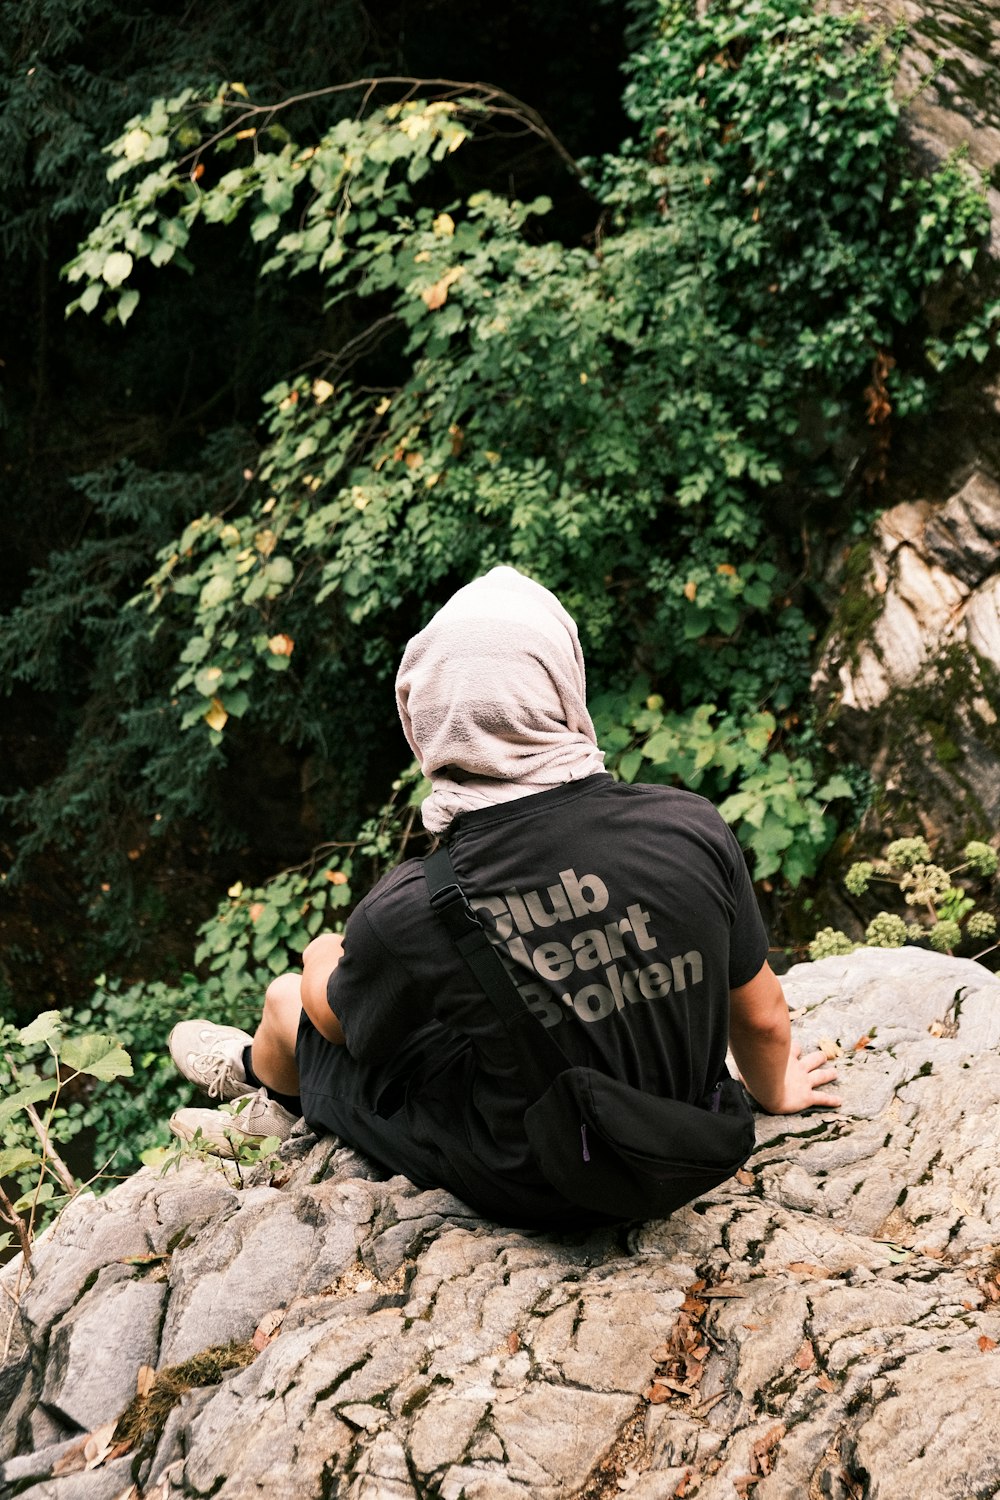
492	697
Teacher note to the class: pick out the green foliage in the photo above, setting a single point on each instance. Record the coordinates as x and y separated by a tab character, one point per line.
244	1152
779	808
830	943
39	1066
632	419
947	910
265	930
887	930
254	934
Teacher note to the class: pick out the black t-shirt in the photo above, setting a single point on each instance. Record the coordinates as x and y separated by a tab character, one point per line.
625	915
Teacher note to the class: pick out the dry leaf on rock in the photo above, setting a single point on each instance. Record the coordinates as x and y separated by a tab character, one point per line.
986	1344
806	1357
268	1328
99	1445
763	1451
806	1268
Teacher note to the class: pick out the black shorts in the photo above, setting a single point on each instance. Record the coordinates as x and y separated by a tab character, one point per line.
411	1115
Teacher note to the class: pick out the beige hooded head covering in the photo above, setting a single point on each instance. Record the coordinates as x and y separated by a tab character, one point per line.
492	697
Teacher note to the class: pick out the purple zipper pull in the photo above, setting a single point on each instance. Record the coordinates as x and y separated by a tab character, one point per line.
583	1137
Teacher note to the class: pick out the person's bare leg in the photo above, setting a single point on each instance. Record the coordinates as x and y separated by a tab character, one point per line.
273	1054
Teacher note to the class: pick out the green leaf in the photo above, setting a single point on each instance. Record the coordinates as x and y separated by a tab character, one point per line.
32	1093
40	1194
264	225
628	766
279	570
17	1159
90	297
116	268
127	304
41	1029
98	1056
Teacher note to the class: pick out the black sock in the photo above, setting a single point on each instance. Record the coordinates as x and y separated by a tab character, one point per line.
291	1102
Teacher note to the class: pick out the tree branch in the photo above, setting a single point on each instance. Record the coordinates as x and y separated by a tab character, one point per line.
487	93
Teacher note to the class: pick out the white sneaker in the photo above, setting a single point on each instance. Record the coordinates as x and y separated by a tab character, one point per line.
223	1132
211	1056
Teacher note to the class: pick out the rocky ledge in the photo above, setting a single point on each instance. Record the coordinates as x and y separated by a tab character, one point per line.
827	1325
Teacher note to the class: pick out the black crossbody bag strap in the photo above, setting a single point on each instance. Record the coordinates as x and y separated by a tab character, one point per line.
540	1058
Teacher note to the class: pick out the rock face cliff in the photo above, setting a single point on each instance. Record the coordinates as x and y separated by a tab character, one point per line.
910	674
827	1325
908	684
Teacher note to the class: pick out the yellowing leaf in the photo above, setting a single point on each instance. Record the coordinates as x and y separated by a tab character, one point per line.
437	295
322	391
383	406
244	135
727	570
280	645
414	125
690	589
444	224
335	877
216	718
239	88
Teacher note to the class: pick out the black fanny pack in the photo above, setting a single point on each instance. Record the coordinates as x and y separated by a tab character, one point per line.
602	1144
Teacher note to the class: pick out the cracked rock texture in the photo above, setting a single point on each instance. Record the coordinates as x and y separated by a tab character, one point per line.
824	1328
909	675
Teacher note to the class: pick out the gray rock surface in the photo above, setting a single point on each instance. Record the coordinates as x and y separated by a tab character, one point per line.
909	677
828	1325
909	680
935	570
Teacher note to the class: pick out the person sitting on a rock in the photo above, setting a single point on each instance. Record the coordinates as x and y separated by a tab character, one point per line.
625	914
